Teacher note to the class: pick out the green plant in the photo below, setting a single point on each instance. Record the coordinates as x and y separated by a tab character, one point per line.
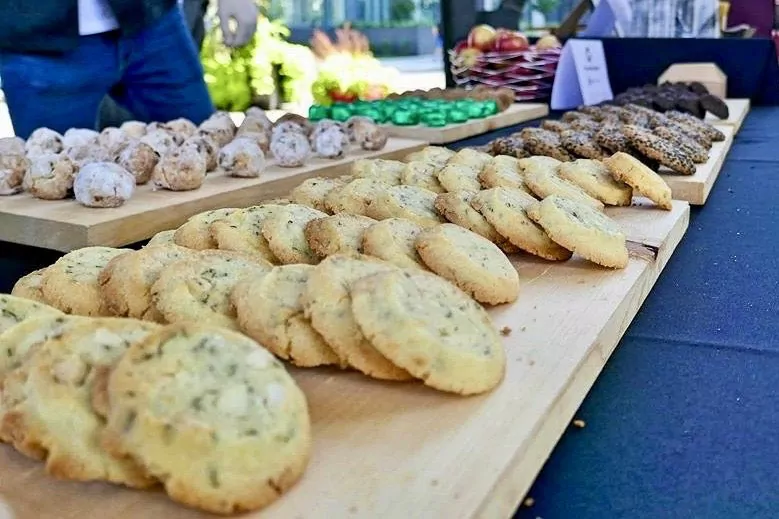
545	7
402	10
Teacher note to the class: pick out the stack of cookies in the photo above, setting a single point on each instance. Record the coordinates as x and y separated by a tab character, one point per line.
675	140
693	98
205	412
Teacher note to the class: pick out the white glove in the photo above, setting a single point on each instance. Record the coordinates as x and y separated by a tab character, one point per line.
243	13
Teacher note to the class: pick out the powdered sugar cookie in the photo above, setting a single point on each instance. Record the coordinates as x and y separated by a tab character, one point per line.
50	177
181	169
103	184
242	158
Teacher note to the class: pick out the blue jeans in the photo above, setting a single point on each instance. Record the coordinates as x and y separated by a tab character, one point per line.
155	74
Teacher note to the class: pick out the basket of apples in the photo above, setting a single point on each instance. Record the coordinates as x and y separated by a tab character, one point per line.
505	58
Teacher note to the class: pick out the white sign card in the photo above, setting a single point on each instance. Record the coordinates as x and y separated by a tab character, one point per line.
582	76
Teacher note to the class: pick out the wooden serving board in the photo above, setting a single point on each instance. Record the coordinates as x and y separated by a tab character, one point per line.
695	188
401	450
738	108
65	225
515	114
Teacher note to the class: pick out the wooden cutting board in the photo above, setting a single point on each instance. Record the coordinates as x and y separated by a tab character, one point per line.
738	108
515	114
65	225
695	188
401	450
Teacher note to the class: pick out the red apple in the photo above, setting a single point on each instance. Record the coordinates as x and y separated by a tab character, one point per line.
510	41
470	56
461	46
548	41
482	37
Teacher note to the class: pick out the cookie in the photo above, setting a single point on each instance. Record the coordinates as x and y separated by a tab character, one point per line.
29	286
50	177
162	238
337	234
577	227
431	328
327	304
611	138
15	309
71	283
571	116
472	262
543	182
554	125
659	149
693	133
456	207
596	180
198	289
241	231
355	196
435	155
139	159
503	171
714	105
180	169
290	149
386	171
44	140
330	143
697	153
392	240
230	402
55	420
285	232
634	117
512	146
313	191
270	311
631	171
582	144
710	131
242	158
409	202
103	184
460	177
471	158
421	174
537	161
126	281
196	232
504	209
544	142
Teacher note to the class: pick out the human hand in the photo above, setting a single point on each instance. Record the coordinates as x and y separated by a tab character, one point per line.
244	15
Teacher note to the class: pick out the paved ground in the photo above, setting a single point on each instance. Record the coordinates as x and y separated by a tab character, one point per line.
416	72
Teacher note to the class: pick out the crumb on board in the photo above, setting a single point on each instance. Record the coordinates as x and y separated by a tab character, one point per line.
505	331
581	424
524	328
528	502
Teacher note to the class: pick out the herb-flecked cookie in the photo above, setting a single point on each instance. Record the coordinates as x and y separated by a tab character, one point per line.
504	208
472	262
54	418
196	232
71	283
431	328
459	177
471	158
198	289
392	240
435	155
313	191
285	232
327	304
125	283
15	309
230	432
241	231
386	171
582	229
503	171
596	180
456	207
409	202
690	146
702	126
354	197
543	182
270	311
29	286
422	174
660	149
582	144
162	238
628	169
337	234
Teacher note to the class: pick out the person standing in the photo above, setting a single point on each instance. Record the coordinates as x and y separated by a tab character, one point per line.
60	58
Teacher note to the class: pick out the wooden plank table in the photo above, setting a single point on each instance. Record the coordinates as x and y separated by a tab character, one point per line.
695	188
400	450
65	225
515	114
738	108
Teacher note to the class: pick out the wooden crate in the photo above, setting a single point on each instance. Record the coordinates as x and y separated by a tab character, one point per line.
695	188
65	225
400	450
515	114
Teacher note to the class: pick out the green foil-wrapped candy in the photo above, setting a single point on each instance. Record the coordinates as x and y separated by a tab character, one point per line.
490	107
434	119
318	112
476	111
340	113
405	117
377	116
456	116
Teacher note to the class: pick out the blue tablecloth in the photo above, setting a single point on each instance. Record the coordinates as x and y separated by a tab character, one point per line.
683	421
